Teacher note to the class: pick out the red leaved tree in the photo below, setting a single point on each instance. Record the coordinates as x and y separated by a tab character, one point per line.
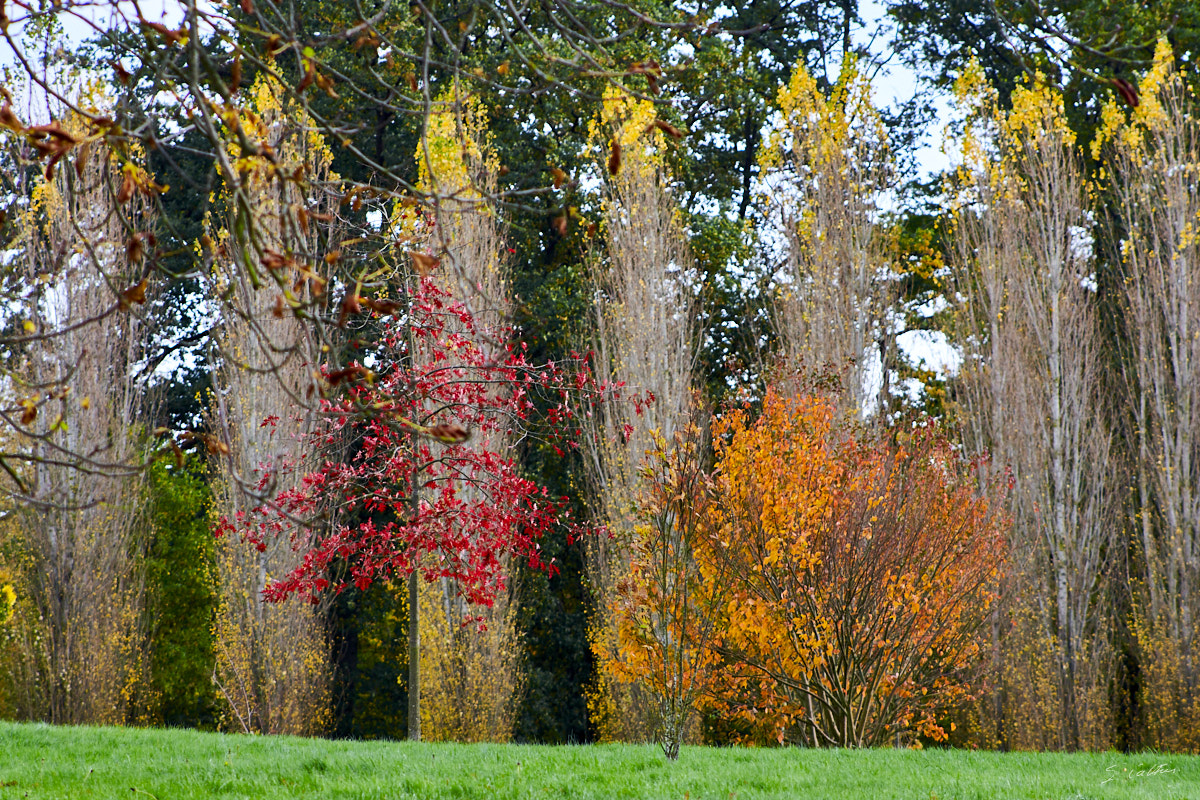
434	414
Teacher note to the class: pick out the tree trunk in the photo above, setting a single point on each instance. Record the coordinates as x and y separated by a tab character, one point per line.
414	659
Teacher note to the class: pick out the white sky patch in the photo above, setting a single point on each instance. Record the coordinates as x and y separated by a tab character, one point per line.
931	350
872	381
912	390
83	21
680	52
935	305
80	22
591	183
1082	243
895	83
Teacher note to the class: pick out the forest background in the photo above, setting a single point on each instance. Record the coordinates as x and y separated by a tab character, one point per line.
247	244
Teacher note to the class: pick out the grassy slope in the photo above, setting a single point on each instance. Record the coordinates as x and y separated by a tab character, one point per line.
40	761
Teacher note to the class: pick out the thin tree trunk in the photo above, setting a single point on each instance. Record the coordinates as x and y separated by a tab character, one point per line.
414	657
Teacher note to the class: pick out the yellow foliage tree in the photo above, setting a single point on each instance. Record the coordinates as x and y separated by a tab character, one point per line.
272	666
645	338
824	167
468	670
471	668
1152	160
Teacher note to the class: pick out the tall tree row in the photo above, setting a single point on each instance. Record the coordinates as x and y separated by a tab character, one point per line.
645	338
1153	158
1034	403
81	389
469	672
271	660
375	416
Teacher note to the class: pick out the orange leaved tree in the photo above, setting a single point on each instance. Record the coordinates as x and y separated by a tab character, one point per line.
667	608
859	572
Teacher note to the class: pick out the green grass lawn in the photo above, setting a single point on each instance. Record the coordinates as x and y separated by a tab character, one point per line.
41	761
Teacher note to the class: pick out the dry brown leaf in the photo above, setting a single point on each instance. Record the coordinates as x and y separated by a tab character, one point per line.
126	190
30	413
134	294
274	261
450	433
614	157
1127	92
350	305
135	248
423	263
668	129
10	120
